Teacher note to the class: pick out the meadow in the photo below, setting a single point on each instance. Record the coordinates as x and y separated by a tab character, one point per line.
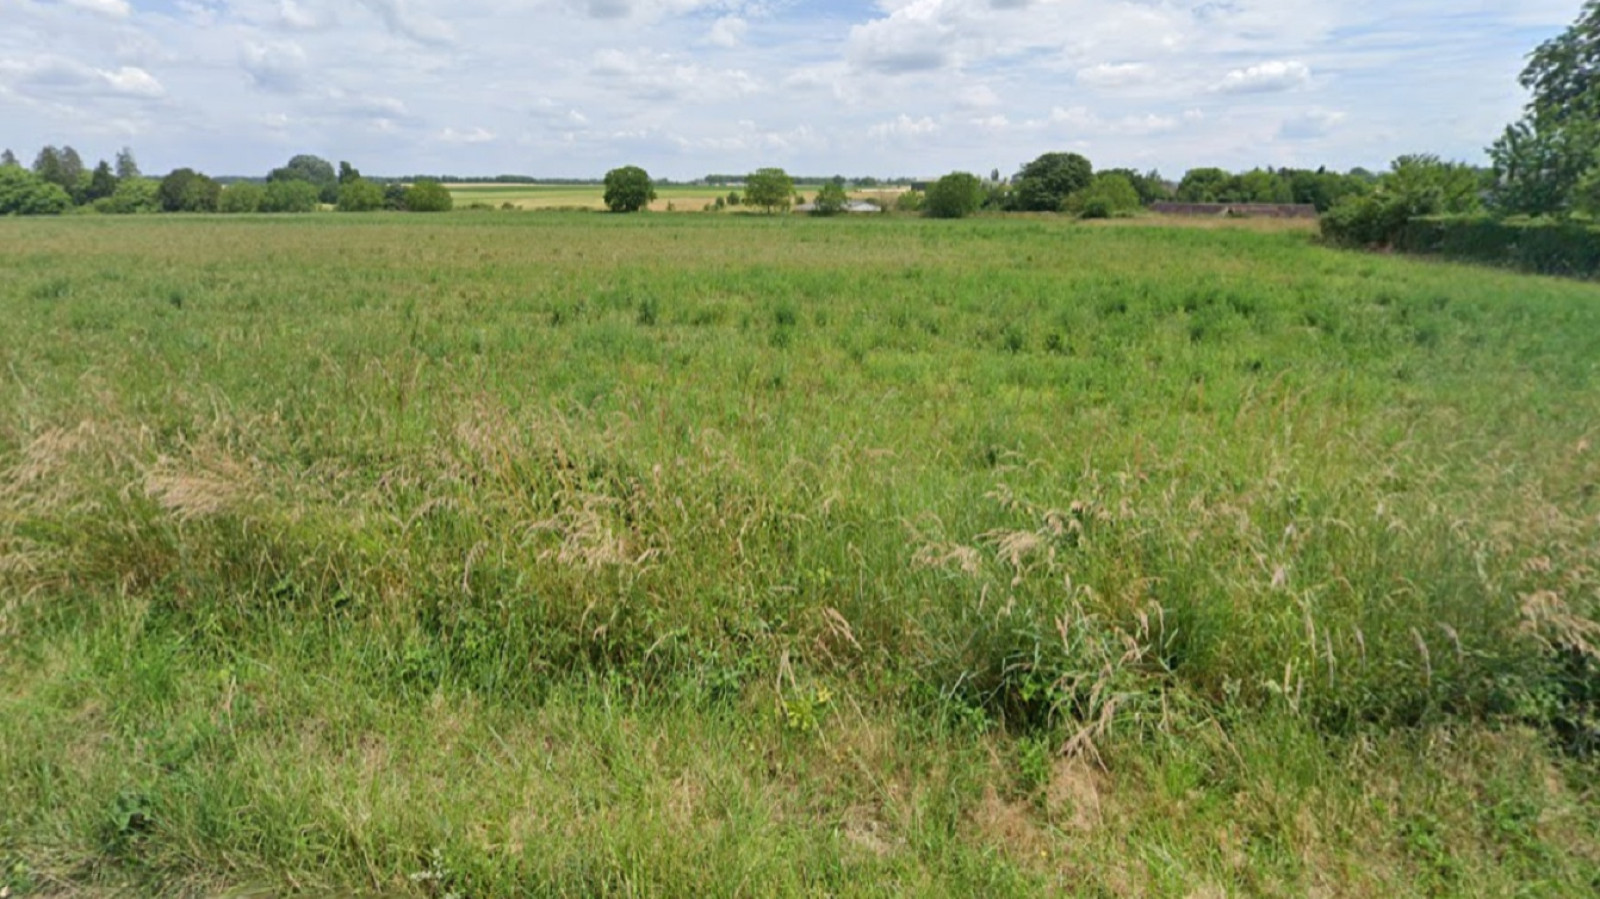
512	554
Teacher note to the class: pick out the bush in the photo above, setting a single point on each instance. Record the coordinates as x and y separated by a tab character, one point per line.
831	200
24	193
361	195
186	190
1111	194
1367	221
429	196
1551	248
909	201
956	195
291	196
133	196
240	198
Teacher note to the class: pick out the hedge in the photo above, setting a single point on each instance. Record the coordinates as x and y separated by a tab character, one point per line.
1551	248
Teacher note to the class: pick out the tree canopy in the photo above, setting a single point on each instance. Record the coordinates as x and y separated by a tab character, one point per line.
313	170
429	196
628	189
186	190
1044	184
1545	163
956	195
771	189
24	193
831	199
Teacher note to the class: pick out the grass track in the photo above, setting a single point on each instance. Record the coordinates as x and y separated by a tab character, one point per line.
502	555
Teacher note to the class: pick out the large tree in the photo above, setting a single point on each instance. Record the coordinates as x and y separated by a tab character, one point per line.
771	189
1542	162
186	190
8	158
313	170
24	193
102	183
1045	183
127	166
628	189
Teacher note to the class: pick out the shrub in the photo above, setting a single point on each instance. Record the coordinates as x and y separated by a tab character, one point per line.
24	193
831	199
909	201
429	196
239	198
1552	248
956	195
290	196
361	195
186	190
1111	194
133	196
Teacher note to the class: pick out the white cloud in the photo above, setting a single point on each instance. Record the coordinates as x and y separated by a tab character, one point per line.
1107	74
133	81
728	31
472	136
1278	75
1311	124
904	127
117	9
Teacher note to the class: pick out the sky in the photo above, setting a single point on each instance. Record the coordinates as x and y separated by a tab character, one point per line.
685	88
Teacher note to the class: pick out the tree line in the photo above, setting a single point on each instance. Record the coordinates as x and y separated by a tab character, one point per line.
59	181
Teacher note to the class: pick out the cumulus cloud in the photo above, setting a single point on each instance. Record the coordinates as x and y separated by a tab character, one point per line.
728	31
61	77
277	67
904	127
1278	75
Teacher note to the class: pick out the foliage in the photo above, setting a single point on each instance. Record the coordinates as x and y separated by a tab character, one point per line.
348	172
362	195
313	170
24	193
1415	186
771	189
8	158
290	195
628	189
134	195
1111	194
909	201
1203	185
427	195
1150	186
1044	184
1543	162
102	183
186	190
242	198
831	199
956	195
1544	247
127	166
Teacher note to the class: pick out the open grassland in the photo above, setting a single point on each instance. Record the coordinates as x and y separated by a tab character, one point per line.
491	555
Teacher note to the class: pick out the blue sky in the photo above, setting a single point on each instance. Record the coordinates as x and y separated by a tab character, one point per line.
688	87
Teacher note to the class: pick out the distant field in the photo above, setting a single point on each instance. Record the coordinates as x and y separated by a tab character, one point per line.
494	555
536	196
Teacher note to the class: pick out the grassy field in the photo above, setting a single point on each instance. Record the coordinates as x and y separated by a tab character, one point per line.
504	555
592	196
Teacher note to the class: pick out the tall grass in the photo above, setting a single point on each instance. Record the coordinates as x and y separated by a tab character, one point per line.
507	555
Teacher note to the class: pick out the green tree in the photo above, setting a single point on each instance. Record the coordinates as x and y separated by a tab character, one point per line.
770	188
8	158
133	195
1044	184
956	195
628	189
242	198
24	193
1150	186
1111	194
72	169
127	166
831	199
361	195
102	183
313	170
1203	185
290	196
394	196
429	196
47	166
348	172
186	190
1540	161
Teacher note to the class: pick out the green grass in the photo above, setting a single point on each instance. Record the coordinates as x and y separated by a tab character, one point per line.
489	555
